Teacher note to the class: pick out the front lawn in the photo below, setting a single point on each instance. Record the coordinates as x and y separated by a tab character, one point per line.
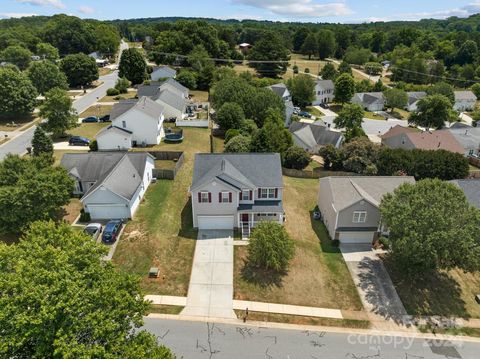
13	124
218	144
373	116
71	211
315	112
97	110
88	130
447	293
318	275
117	98
161	234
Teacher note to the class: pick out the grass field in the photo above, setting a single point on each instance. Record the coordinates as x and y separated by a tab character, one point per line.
104	71
445	293
318	275
199	96
373	116
161	233
88	130
123	96
218	144
13	124
97	110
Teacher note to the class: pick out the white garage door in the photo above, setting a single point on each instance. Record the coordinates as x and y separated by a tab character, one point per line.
215	222
356	237
108	212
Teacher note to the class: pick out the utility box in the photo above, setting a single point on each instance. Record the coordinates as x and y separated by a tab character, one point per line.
154	272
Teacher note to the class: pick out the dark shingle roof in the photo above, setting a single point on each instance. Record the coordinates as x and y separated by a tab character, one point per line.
243	170
279	89
319	133
471	188
144	104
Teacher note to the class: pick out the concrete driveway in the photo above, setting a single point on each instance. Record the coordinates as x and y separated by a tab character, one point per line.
377	293
210	293
65	146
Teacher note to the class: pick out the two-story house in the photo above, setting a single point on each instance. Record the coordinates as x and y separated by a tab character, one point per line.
324	92
350	205
236	190
134	123
282	91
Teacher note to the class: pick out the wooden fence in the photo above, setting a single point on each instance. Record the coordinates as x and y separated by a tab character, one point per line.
169	174
317	173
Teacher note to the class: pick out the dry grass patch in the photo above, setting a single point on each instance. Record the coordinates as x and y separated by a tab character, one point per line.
318	275
88	130
14	124
97	110
199	96
71	211
117	98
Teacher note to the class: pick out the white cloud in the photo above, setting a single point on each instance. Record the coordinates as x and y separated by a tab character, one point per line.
86	10
299	8
55	3
7	15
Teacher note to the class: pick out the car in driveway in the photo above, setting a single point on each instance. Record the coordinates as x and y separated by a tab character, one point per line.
90	119
93	230
105	118
78	141
111	231
305	114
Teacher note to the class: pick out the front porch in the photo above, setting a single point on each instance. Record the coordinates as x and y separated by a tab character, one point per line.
248	220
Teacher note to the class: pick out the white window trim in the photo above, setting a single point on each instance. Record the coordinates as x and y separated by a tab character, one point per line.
267	193
225	197
204	197
246	193
359	217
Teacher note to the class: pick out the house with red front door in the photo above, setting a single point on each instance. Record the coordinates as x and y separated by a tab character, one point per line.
231	190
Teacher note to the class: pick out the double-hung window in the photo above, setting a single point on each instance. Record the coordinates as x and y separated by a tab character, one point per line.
245	195
267	193
359	216
224	197
204	197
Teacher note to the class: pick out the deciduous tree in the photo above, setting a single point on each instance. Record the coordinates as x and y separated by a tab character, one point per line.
344	88
302	88
432	112
80	69
396	98
58	111
271	48
17	55
41	143
17	94
45	75
133	66
296	157
230	115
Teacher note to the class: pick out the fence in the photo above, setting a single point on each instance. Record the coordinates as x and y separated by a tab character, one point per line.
318	173
169	174
191	123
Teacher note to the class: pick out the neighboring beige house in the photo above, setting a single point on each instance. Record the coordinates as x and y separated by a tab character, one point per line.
324	91
409	139
236	190
370	101
350	206
464	101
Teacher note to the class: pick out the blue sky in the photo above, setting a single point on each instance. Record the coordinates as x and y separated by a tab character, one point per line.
345	11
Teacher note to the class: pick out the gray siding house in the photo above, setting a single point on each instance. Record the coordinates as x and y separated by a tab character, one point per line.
370	101
236	190
324	91
163	72
312	136
350	206
464	101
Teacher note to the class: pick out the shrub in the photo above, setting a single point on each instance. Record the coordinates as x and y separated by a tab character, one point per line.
238	144
307	70
270	247
122	85
84	216
93	146
296	157
113	92
231	133
230	116
295	69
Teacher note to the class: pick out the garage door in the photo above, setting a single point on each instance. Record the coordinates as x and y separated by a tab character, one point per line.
356	237
108	212
215	222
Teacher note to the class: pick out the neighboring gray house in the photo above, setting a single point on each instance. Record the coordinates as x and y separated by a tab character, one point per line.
236	190
163	72
312	136
350	205
170	94
282	91
413	98
468	138
471	189
370	101
111	184
464	101
155	87
324	92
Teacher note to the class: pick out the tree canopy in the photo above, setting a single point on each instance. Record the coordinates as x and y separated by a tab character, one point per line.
270	48
432	112
80	69
344	88
45	75
57	109
132	66
17	94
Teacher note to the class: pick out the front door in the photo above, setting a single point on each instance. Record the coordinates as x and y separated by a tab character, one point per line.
244	217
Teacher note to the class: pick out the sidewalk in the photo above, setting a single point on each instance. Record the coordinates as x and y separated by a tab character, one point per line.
287	309
166	300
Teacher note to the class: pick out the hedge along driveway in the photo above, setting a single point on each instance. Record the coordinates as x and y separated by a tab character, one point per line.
161	234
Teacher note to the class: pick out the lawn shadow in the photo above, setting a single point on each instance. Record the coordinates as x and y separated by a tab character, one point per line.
186	228
435	293
322	234
262	277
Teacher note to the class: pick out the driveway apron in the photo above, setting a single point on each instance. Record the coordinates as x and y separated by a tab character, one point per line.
210	293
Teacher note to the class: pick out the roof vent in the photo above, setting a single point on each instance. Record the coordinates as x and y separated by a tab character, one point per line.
223	165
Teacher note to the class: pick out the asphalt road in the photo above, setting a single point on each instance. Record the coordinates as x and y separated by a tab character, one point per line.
19	144
192	340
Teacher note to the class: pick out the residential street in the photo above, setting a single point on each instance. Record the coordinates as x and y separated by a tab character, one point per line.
192	340
18	144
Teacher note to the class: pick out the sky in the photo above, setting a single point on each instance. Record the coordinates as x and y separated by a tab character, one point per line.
337	11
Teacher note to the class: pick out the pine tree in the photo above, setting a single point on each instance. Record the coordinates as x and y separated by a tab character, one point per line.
41	143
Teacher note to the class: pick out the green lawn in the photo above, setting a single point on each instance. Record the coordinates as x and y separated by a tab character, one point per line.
97	110
161	234
315	112
199	96
373	116
88	130
218	144
123	96
318	275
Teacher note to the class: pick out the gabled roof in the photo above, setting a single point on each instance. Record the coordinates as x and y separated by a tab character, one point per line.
175	84
325	84
396	130
369	98
468	137
171	98
119	172
315	135
279	89
144	104
148	90
415	96
114	129
347	191
166	69
465	95
246	170
471	189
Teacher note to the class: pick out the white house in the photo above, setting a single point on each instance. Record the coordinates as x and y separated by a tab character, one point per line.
236	190
174	104
324	91
112	184
282	91
370	101
134	123
163	72
464	101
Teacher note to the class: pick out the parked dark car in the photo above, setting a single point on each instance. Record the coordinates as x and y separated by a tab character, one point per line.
111	231
324	105
90	119
78	141
105	118
305	114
